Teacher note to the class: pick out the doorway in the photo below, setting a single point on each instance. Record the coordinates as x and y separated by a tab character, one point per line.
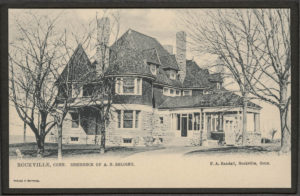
184	126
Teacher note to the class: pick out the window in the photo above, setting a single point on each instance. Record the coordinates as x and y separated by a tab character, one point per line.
161	119
171	91
129	86
197	121
153	69
128	119
74	139
166	91
190	122
178	121
218	85
119	118
172	75
138	86
75	119
87	90
137	113
187	93
127	140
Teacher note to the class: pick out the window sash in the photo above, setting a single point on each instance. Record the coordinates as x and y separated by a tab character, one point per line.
128	119
128	86
190	122
137	113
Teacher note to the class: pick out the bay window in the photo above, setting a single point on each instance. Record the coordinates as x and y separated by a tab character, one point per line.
129	86
128	119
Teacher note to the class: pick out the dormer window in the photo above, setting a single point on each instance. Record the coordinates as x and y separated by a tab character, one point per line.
129	86
153	69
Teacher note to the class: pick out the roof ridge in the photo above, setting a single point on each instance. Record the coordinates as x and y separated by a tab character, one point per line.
141	33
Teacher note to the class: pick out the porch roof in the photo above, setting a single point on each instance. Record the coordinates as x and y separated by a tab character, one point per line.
217	99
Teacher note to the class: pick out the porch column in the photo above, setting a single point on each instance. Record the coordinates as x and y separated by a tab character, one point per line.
256	122
203	135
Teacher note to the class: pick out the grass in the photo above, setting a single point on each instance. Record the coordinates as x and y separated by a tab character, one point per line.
29	150
264	149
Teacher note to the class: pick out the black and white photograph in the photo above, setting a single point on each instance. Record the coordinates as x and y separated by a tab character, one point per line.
149	98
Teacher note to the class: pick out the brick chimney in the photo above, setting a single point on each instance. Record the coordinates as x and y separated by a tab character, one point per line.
102	53
181	53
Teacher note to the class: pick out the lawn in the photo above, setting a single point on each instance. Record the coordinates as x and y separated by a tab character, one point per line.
263	149
29	150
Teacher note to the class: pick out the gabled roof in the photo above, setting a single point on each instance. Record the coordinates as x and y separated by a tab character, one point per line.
151	56
140	42
78	68
169	62
162	78
127	61
195	76
216	77
222	98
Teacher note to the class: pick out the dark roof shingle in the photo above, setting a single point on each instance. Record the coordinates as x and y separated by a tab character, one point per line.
222	98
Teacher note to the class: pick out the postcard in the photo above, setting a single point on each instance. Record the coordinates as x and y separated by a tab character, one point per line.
149	98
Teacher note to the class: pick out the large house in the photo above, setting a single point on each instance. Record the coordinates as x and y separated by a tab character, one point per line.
160	97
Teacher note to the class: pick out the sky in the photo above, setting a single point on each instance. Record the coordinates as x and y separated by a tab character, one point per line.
159	23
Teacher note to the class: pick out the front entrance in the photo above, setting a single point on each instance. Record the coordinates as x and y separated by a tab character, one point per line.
229	129
184	126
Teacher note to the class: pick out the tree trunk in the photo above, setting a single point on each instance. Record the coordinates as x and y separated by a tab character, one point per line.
244	117
40	146
284	119
102	142
59	140
285	134
24	135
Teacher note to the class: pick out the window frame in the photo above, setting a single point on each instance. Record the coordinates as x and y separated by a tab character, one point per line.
137	86
135	119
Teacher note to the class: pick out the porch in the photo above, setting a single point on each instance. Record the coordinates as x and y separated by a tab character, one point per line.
207	126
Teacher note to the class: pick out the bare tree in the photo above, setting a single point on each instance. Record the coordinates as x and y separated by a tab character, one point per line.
31	57
226	34
100	88
254	45
273	76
